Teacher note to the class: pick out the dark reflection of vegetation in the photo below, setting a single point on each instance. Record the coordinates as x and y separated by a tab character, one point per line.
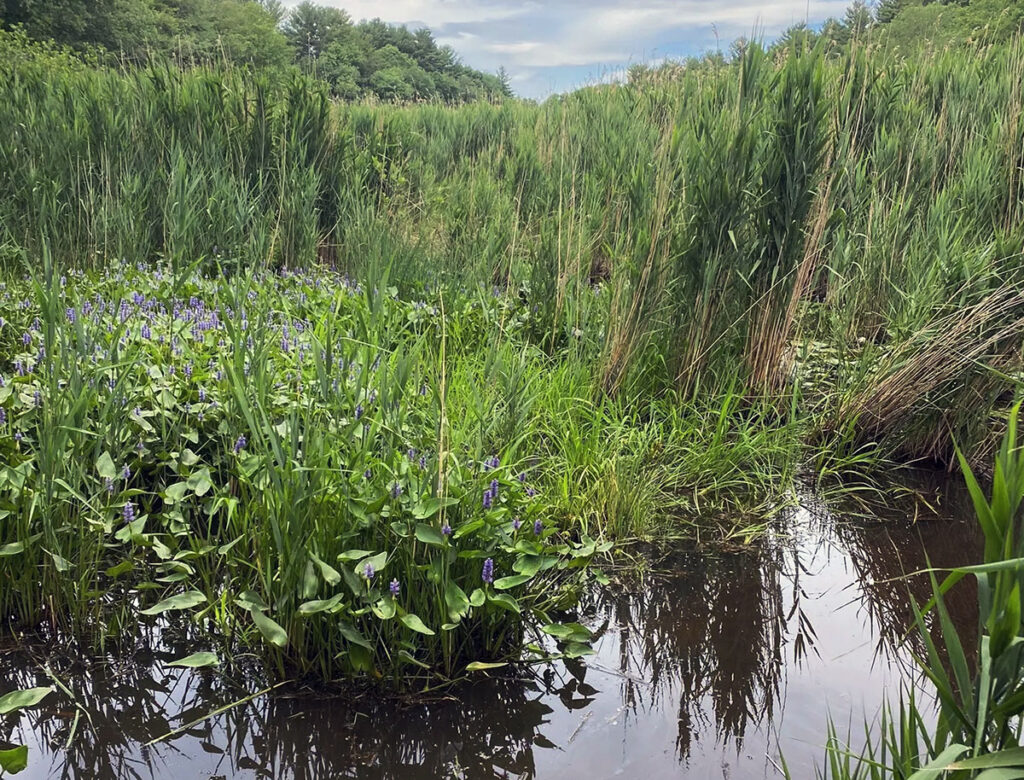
719	635
711	639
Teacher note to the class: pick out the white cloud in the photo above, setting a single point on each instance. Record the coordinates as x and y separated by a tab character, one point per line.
546	46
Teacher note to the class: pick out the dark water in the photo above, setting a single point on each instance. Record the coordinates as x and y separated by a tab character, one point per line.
705	668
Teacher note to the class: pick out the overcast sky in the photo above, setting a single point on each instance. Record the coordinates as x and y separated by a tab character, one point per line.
556	45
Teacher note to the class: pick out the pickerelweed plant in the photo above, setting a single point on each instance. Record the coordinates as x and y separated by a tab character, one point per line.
270	455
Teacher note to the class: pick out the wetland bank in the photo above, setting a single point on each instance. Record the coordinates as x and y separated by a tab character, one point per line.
354	402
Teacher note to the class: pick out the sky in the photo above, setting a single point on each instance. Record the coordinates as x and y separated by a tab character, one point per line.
557	45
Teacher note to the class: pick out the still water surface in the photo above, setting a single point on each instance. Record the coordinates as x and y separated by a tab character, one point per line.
705	668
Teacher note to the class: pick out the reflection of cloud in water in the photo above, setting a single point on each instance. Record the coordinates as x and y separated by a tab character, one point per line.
709	663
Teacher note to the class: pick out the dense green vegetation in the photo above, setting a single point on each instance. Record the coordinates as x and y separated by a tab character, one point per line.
367	388
369	59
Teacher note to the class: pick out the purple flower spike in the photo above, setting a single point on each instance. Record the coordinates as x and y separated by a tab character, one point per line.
396	490
368	571
487	575
128	512
3	415
494	488
446	530
126	473
395	587
538	526
517	524
367	474
240	444
18	436
488	499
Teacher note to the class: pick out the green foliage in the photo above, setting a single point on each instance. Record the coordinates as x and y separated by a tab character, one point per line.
980	690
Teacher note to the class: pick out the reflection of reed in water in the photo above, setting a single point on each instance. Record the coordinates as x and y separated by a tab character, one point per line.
713	634
722	634
887	542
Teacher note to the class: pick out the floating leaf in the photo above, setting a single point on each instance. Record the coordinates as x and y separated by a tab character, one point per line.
385	608
14	760
17	700
197	660
186	600
577	649
413	622
477	598
271	631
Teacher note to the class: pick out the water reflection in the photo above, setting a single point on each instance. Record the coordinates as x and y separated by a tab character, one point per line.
705	667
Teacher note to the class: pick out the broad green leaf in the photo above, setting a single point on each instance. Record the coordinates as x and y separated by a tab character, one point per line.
14	760
60	563
477	598
200	482
468	528
197	660
329	573
429	535
186	600
105	466
413	622
505	601
504	583
429	507
122	568
17	700
249	599
175	493
352	635
568	631
385	608
478	666
456	600
271	631
353	555
577	649
14	548
320	605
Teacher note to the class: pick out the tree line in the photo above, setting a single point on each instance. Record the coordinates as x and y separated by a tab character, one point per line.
357	59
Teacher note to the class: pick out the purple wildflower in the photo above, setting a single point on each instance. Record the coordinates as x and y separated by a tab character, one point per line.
538	526
517	524
3	415
494	488
240	444
368	571
446	530
128	512
487	574
26	339
110	485
367	474
488	499
18	436
396	490
126	473
70	312
359	411
395	587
